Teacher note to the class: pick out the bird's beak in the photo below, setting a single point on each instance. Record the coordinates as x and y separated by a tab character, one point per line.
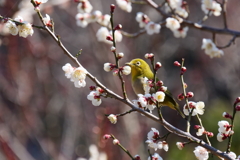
129	64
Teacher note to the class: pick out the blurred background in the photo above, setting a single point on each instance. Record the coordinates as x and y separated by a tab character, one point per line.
44	117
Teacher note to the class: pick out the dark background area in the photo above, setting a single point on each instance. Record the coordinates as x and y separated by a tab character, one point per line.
43	116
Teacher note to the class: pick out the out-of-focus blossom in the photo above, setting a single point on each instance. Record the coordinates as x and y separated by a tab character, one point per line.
82	19
211	7
102	34
125	5
177	6
201	153
152	28
112	118
126	70
211	49
68	69
180	145
12	27
84	7
180	33
155	156
142	19
47	20
25	30
172	23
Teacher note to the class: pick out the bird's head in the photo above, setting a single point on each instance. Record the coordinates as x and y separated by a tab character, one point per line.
139	68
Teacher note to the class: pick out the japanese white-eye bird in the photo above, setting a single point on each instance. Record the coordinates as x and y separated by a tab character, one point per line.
139	70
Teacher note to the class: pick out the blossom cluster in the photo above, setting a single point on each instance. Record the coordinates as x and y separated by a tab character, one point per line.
76	75
178	6
224	130
153	140
175	26
95	95
145	22
211	49
211	7
22	28
194	107
109	67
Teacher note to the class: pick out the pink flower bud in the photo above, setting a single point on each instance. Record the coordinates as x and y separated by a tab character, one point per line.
92	88
176	63
237	100
109	38
183	69
237	108
112	8
106	136
181	97
209	134
116	141
149	55
159	83
137	157
190	94
118	27
197	127
227	115
158	65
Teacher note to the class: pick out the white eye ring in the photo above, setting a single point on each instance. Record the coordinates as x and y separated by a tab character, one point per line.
138	63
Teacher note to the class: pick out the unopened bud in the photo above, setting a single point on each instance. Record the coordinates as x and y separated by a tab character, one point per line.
112	8
109	38
113	49
181	97
197	127
237	100
183	69
159	83
137	157
190	94
237	108
120	55
185	85
209	134
37	8
118	27
226	115
106	136
115	141
92	88
115	73
176	63
158	65
149	55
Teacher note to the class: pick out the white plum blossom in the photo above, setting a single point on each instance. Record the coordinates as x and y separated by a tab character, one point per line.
94	96
96	15
155	157
102	33
153	137
224	127
198	108
150	103
232	155
211	7
181	32
47	20
200	131
115	141
221	137
104	20
126	70
142	100
12	27
201	153
112	118
68	69
159	96
211	49
84	7
78	76
118	35
125	5
172	24
152	28
180	145
82	19
142	19
25	30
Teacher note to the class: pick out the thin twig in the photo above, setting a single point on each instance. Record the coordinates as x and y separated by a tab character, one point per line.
232	41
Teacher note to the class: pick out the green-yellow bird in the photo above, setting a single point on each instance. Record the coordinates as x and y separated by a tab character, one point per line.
139	70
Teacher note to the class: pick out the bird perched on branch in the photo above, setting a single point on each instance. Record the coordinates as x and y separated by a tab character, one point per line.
139	70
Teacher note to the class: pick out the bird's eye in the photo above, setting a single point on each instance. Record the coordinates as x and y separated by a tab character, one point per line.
138	63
